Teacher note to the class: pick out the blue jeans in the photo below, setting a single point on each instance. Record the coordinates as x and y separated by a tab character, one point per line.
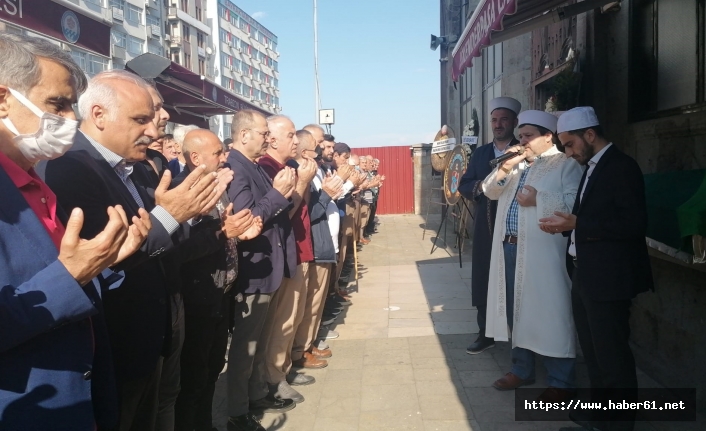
561	372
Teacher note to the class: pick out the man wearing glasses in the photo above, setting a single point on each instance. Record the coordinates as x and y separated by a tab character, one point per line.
263	263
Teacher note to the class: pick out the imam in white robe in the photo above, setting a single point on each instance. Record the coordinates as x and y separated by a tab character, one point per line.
543	321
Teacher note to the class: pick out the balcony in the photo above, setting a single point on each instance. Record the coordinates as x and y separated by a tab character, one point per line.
201	51
186	46
155	30
118	14
175	41
172	13
117	52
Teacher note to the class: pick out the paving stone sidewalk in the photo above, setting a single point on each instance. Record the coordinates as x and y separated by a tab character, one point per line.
400	362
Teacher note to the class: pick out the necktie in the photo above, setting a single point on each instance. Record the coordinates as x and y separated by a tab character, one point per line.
124	170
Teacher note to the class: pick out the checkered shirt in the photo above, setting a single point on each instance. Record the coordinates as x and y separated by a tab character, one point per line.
513	214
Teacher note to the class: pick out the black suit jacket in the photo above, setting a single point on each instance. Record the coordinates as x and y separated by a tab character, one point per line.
136	312
265	260
611	224
200	256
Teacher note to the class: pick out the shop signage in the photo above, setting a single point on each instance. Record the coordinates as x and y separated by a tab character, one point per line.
58	22
487	17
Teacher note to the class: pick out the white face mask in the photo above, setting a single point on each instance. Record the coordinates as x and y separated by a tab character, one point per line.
53	138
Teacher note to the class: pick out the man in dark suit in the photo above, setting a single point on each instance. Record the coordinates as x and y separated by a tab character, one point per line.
503	120
101	170
608	257
262	264
56	371
206	284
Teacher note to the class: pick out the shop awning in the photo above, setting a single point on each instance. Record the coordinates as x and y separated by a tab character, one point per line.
188	97
495	21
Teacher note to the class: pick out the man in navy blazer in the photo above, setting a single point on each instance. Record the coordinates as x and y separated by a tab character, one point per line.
262	264
55	368
503	120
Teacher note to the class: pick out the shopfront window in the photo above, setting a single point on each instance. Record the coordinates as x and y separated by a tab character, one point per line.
667	59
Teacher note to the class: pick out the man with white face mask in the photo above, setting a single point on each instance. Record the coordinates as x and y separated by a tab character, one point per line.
54	355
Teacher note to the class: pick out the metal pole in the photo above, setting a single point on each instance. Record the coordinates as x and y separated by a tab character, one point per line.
316	66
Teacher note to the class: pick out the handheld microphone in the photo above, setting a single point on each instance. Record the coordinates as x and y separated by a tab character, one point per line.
504	157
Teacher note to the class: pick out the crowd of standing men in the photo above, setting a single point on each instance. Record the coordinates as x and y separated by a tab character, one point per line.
129	257
558	254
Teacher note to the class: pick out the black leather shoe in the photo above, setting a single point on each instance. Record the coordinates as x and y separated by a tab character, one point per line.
270	404
246	422
481	344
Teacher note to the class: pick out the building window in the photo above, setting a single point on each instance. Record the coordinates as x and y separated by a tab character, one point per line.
134	45
175	57
275	66
186	32
89	63
223	12
202	67
225	59
227	130
154	49
667	67
187	61
237	64
199	39
185	5
133	14
247	90
224	35
120	4
199	15
234	42
275	82
492	79
238	87
119	39
234	20
152	20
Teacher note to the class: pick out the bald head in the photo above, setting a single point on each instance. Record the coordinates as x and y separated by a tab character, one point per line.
202	147
317	132
354	160
306	145
283	138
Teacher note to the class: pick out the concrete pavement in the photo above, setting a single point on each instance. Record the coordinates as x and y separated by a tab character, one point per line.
400	361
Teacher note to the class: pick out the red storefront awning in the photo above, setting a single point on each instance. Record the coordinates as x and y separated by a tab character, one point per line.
188	97
495	21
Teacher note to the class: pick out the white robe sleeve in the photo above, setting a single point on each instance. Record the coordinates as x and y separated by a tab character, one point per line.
492	189
549	202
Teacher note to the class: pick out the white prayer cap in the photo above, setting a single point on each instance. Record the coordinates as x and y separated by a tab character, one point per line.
538	118
506	103
582	117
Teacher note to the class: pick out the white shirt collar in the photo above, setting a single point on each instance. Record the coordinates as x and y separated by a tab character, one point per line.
596	157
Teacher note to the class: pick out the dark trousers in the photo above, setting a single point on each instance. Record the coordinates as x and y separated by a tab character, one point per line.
603	329
202	360
370	228
139	401
169	384
246	357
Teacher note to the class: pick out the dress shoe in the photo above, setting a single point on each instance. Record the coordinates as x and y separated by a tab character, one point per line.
510	381
299	379
283	391
327	334
270	404
556	395
319	353
481	344
364	241
246	422
582	418
309	361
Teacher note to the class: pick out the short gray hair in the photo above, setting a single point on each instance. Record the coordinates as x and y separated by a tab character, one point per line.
20	69
100	92
310	127
180	133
